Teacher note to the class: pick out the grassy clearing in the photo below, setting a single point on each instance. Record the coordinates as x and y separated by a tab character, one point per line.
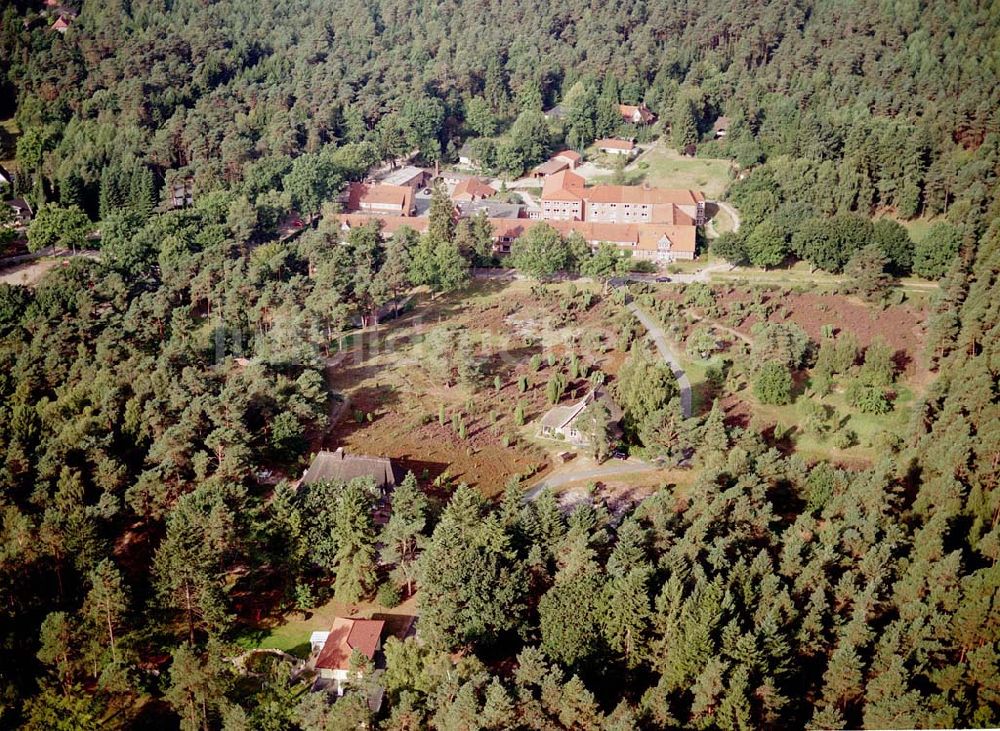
866	426
800	273
919	227
292	636
666	168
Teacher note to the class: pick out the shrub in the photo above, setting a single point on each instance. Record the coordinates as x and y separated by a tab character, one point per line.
845	438
522	384
497	383
535	363
389	595
519	414
868	399
773	384
304	596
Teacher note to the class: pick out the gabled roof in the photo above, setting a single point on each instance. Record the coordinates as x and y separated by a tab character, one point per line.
559	417
640	194
342	467
19	204
60	25
388	225
359	194
404	175
675	238
628	111
565	185
551	167
346	636
571	155
613	143
470	188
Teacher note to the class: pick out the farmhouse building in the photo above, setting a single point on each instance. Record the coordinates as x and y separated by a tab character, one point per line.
472	189
615	146
565	160
378	198
563	422
338	466
335	649
22	211
636	114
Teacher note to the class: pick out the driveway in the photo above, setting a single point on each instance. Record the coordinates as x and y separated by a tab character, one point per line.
610	469
733	214
668	356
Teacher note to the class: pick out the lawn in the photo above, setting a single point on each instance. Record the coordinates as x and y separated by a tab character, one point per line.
918	227
666	168
866	426
292	636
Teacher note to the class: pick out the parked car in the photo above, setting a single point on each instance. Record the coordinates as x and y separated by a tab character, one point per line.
619	454
663	279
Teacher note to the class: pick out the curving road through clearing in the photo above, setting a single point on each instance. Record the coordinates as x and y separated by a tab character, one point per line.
683	383
624	467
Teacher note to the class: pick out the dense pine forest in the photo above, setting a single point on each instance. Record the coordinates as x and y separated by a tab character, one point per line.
148	397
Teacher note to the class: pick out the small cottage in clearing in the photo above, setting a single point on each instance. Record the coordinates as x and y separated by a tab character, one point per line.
347	636
563	422
338	466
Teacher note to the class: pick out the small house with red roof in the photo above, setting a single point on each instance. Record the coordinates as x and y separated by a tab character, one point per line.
639	114
61	25
337	647
472	189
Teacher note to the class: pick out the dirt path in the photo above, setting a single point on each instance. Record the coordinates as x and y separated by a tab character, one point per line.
733	214
615	469
668	356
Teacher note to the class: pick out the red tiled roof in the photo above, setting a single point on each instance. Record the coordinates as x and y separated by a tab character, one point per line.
564	186
628	112
613	143
472	188
376	194
389	224
346	636
570	155
681	238
640	194
640	236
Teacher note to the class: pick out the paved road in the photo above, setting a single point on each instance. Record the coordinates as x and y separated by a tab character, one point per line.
668	356
611	469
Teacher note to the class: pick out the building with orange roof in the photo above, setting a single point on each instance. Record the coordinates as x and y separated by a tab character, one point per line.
565	197
660	242
562	197
395	200
636	114
346	637
472	189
